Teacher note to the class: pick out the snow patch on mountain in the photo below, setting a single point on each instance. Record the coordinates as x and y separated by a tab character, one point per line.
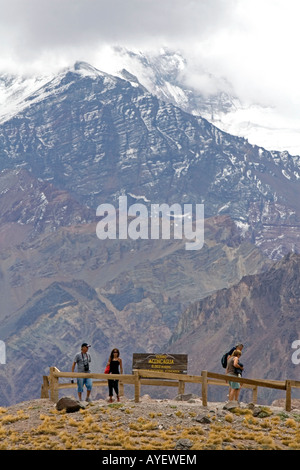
15	92
166	74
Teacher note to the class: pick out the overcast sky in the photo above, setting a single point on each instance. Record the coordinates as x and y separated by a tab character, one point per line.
251	43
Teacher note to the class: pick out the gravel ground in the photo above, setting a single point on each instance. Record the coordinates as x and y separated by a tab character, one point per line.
179	424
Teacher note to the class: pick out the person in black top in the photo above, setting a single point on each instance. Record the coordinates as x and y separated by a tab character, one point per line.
116	367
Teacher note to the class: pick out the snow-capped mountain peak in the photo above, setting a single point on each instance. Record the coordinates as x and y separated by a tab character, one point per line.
19	92
15	91
166	74
85	69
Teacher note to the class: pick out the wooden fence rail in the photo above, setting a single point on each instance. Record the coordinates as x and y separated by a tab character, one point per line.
141	377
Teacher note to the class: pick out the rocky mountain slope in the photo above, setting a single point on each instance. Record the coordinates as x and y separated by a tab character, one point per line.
99	136
60	283
82	139
261	311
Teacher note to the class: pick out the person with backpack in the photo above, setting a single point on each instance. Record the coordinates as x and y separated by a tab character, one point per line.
234	368
227	355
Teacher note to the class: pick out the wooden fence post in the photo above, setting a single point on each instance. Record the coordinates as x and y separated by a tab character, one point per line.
53	385
204	387
288	396
45	387
181	387
254	394
137	386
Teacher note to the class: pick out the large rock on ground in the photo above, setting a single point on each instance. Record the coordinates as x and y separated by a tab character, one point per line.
69	404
